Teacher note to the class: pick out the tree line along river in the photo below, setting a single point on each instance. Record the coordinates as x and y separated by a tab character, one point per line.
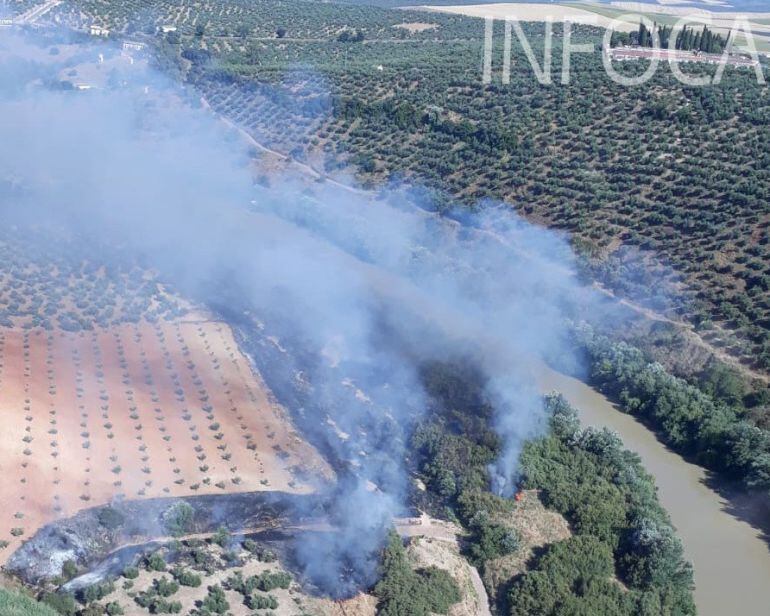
730	557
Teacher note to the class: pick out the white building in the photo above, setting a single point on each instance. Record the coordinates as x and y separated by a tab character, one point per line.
98	31
133	46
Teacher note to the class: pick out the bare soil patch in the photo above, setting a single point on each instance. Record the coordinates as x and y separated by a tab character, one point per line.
416	26
134	411
530	12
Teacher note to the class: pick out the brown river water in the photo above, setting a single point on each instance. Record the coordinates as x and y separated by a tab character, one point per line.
729	555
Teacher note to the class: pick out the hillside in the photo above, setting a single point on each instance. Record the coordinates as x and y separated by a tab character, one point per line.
643	178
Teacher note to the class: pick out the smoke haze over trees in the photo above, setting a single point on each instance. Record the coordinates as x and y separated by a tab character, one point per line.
371	288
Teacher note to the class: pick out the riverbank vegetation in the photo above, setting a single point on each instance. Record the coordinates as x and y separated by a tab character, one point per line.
718	434
624	556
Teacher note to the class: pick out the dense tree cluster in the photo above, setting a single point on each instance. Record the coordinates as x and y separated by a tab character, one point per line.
621	532
349	36
691	421
156	598
402	591
687	39
265	582
622	535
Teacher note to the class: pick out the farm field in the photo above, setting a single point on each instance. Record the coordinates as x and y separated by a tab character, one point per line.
645	194
135	410
648	193
242	19
530	12
214	571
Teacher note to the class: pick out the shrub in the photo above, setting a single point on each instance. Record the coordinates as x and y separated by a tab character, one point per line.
416	593
16	604
165	587
268	580
95	592
186	578
215	602
69	569
221	537
261	602
491	540
131	573
113	608
111	518
155	562
178	519
62	603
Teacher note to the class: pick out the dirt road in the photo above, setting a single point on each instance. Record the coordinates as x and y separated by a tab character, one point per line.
36	12
307	169
686	328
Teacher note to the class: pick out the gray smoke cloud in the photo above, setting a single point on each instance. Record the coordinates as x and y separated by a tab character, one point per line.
361	289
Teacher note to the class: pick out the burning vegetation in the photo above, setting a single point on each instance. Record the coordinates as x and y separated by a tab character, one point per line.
391	338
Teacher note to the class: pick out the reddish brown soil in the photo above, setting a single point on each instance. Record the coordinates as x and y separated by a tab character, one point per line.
136	411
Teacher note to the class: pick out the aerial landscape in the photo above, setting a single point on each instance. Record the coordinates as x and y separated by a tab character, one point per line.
369	307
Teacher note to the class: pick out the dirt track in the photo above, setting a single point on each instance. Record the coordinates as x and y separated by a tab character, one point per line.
686	328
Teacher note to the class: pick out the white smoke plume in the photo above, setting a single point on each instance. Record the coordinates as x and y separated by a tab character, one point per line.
366	287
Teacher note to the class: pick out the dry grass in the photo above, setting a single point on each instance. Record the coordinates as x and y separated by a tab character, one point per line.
531	12
416	26
536	527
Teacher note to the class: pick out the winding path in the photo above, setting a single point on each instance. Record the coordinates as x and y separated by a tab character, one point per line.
685	328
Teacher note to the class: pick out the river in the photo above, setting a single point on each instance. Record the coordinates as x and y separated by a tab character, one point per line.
730	557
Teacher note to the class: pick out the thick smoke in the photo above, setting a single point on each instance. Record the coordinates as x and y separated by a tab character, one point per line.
363	289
